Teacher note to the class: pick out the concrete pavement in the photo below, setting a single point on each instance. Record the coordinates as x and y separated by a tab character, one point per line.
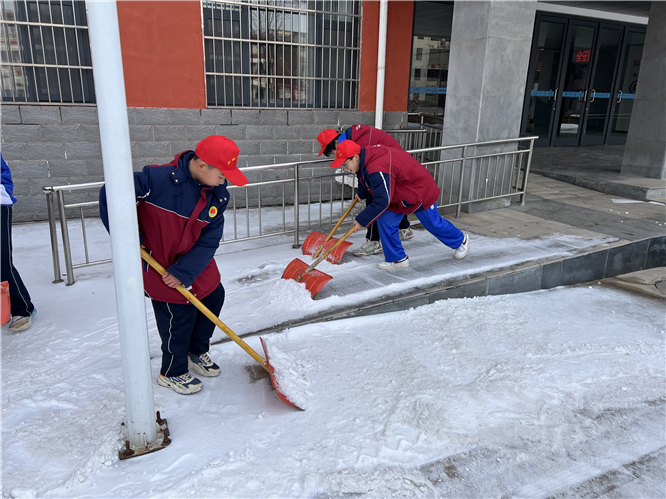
597	168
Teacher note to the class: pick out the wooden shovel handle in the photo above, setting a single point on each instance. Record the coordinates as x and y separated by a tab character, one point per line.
326	253
204	310
336	226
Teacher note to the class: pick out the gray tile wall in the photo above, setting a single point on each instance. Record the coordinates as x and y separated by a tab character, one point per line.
60	145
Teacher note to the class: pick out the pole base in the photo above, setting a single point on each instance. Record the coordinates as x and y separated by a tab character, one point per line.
161	441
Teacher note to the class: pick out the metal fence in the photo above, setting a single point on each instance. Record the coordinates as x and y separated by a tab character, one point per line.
465	173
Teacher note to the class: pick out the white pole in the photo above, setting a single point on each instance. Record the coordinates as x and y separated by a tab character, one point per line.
123	225
381	63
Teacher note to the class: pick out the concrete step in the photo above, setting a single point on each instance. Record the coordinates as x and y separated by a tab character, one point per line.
639	188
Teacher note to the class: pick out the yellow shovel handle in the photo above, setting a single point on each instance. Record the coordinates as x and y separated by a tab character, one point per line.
204	310
336	226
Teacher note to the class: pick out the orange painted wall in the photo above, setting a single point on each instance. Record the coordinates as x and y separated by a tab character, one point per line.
162	45
398	55
163	62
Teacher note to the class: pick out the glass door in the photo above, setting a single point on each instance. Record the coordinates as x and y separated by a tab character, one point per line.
582	81
625	90
431	46
575	83
598	101
542	86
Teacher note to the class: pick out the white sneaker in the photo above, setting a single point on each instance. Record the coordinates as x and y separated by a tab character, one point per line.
368	248
185	384
400	264
18	323
461	251
406	234
202	364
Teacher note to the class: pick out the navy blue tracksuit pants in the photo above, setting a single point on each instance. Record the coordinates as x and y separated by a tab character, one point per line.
183	329
18	294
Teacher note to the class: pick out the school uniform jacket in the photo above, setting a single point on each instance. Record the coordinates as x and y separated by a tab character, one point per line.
396	181
365	135
181	223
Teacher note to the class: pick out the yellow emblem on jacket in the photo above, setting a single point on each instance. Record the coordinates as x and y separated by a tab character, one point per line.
212	213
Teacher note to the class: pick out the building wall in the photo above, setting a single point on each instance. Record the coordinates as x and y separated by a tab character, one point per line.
398	55
165	89
645	152
60	145
162	58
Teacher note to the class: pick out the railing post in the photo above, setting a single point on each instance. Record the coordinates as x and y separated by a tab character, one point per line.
462	176
297	208
55	257
527	170
67	250
83	233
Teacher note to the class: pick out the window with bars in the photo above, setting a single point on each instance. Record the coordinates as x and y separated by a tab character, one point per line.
45	52
282	53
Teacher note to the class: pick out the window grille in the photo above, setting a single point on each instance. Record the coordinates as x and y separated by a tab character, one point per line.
45	52
282	53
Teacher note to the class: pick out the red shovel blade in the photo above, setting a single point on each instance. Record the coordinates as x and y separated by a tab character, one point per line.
271	372
313	280
315	241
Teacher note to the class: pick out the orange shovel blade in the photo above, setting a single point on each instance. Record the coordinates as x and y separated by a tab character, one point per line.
313	280
276	385
316	240
313	242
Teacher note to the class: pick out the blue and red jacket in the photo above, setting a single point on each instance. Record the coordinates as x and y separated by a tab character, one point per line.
365	135
396	181
7	189
181	223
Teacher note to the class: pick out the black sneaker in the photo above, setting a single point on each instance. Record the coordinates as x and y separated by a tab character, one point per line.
202	364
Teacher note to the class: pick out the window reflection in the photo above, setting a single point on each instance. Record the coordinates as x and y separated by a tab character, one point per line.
281	53
45	52
430	57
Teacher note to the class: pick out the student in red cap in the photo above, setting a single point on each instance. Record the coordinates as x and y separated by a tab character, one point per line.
180	208
364	136
399	185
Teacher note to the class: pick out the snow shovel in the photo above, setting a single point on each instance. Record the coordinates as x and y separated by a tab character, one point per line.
314	280
316	241
216	320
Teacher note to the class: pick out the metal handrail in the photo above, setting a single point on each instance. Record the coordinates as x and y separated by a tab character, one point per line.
471	167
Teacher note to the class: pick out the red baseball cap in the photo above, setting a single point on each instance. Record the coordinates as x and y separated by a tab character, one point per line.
346	149
325	138
222	153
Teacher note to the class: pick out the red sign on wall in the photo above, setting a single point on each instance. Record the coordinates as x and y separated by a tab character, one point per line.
583	55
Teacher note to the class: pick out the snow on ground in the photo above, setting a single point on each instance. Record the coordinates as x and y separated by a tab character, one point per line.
530	395
257	298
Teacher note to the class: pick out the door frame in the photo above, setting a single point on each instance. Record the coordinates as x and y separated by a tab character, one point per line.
601	139
573	141
609	138
542	17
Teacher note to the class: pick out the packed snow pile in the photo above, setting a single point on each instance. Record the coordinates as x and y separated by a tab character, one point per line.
290	371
